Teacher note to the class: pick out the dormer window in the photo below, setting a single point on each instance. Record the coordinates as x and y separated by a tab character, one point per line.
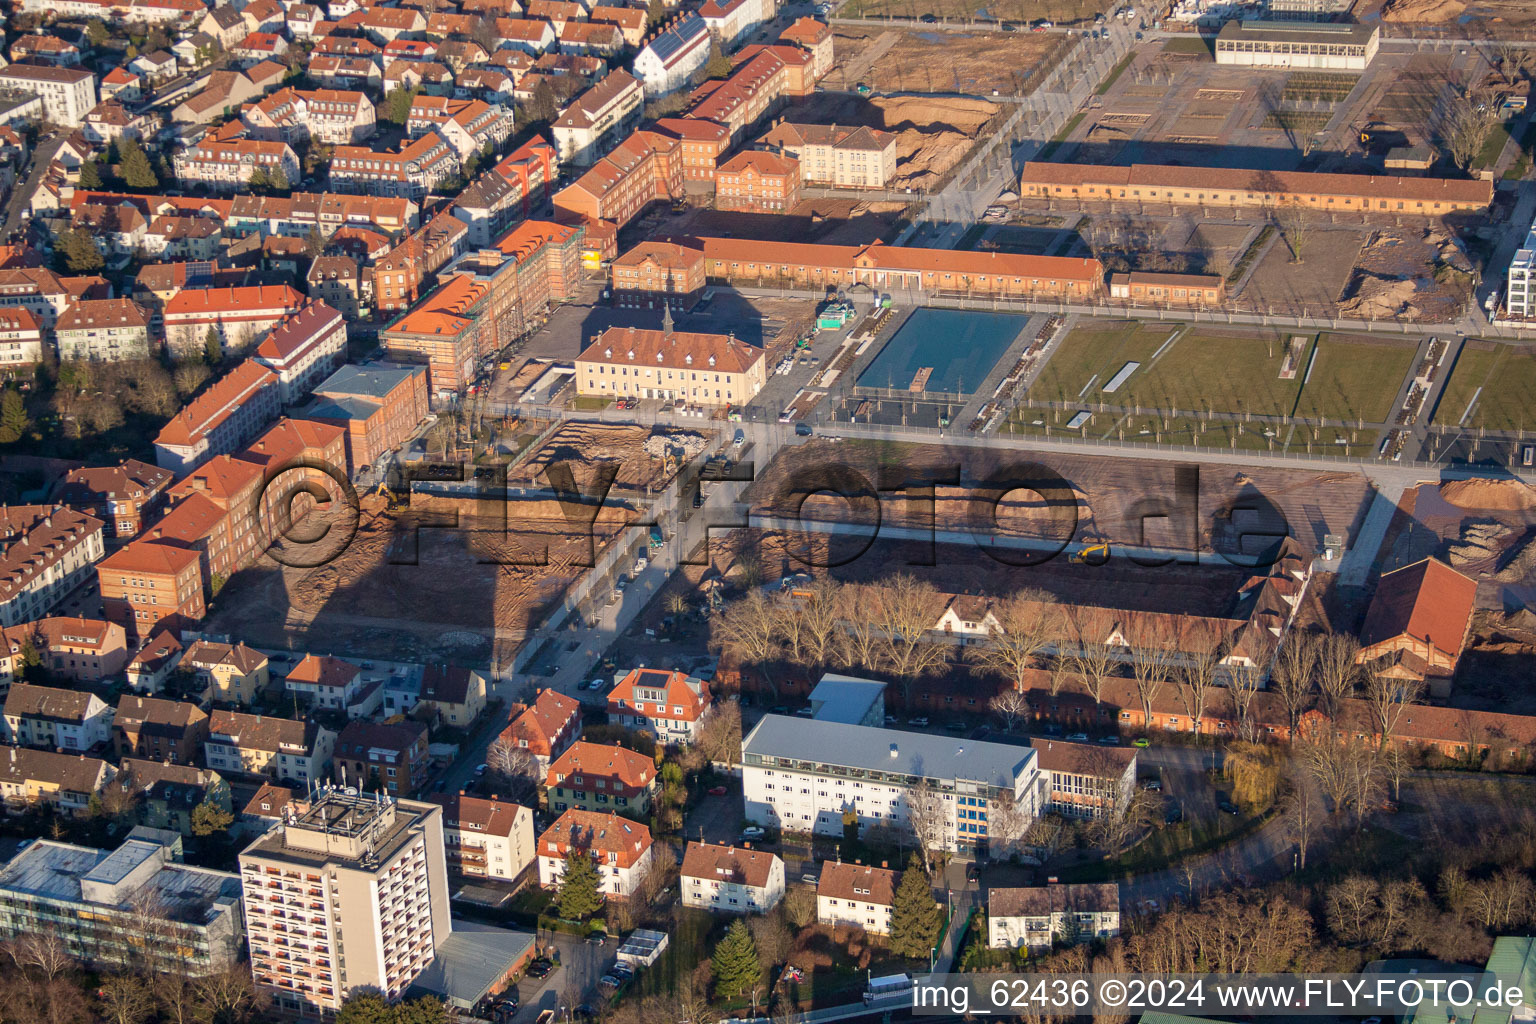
711	360
688	359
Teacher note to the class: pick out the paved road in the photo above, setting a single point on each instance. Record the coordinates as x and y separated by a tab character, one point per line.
21	196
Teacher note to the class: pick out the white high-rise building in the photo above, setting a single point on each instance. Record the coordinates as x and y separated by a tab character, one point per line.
801	775
349	893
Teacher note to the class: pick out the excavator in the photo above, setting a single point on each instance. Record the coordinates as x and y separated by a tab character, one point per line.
1093	554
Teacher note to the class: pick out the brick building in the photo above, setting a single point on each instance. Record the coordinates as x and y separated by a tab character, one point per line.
758	182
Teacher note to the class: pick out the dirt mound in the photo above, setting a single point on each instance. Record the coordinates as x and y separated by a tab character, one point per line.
1423	11
939	112
1480	541
1379	299
924	156
1509	495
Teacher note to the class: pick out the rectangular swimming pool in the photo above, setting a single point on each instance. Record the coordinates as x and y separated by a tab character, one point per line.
958	348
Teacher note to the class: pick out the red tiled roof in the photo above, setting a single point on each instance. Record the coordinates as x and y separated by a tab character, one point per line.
1427	601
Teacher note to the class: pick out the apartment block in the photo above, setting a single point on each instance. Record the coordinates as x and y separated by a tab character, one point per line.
103	330
221	419
857	895
598	119
161	730
68	94
486	838
730	879
47	551
668	61
379	407
64	782
348	865
758	182
600	777
382	757
544	728
653	273
800	775
420	166
302	348
279	748
21	337
228	673
1037	917
619	847
121	496
238	315
76	649
146	587
838	156
51	718
226	165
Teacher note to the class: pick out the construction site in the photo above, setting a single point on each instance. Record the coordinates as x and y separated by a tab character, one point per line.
445	576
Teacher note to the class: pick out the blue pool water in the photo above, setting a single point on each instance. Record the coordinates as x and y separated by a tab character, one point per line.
961	345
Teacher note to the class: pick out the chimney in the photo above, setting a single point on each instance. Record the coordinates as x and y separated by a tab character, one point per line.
885	864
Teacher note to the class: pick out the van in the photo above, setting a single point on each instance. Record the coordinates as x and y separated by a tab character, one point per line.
803	429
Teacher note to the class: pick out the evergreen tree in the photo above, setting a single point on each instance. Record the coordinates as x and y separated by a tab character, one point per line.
13	417
850	830
719	65
426	1010
31	660
579	897
96	32
213	347
260	181
734	964
277	181
80	253
397	105
208	818
367	1008
137	173
90	176
915	918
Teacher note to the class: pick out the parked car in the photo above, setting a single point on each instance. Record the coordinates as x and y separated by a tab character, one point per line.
1152	785
917	721
480	769
1228	807
752	832
1078	737
810	879
717	791
541	968
1174	816
1110	741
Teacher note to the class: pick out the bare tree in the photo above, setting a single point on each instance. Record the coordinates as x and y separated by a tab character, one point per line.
1295	223
1301	810
227	996
719	737
1336	671
1295	664
1090	656
772	938
1028	623
1115	830
749	629
1465	124
42	953
821	618
1389	698
1151	664
513	771
800	905
1009	705
1203	650
1048	836
905	618
1243	684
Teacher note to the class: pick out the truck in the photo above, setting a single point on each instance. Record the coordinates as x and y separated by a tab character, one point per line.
657	540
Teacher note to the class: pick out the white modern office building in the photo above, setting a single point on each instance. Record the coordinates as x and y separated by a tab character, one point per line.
1322	46
1517	290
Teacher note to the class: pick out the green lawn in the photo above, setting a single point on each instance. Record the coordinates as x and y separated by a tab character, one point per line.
1114	75
1096	351
1489	154
1507	376
1354	378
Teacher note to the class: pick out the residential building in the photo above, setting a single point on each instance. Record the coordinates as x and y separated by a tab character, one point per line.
421	165
1319	46
228	673
730	20
358	865
591	38
1520	297
45	49
167	794
279	748
600	777
148	669
122	496
630	21
302	348
227	165
341	71
667	63
21	338
645	168
456	693
730	879
703	144
489	206
380	757
238	315
760	84
221	419
398	276
669	705
79	650
161	730
1235	187
1146	288
324	682
36	290
856	895
136	907
379	407
65	782
545	728
324	213
1418	624
655	272
45	552
1086	780
50	718
103	330
755	181
598	119
221	96
837	156
800	775
703	369
337	282
146	587
815	37
486	838
1038	917
619	847
68	94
